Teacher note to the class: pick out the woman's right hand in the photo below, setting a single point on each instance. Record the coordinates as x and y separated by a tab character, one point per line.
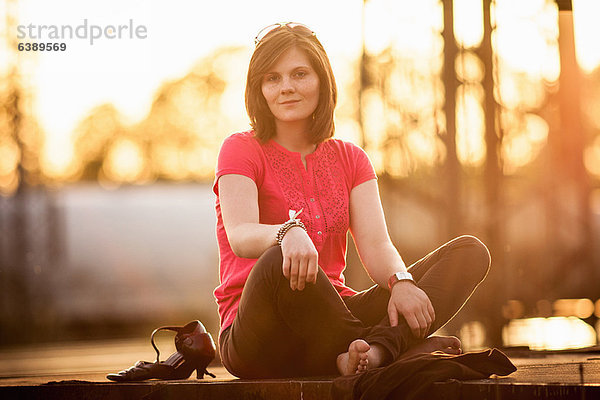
300	258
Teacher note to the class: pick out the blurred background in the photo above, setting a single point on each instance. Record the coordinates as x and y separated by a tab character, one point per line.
480	117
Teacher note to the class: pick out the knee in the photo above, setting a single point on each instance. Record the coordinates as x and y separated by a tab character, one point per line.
273	255
269	263
479	259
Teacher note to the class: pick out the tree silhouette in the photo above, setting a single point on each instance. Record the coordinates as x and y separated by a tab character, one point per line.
178	138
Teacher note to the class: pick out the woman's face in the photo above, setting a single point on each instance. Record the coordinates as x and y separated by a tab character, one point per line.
291	88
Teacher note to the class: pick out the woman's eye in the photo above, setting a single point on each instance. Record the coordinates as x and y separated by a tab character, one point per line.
300	74
271	78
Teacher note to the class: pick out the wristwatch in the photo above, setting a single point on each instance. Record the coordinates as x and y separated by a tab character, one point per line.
400	276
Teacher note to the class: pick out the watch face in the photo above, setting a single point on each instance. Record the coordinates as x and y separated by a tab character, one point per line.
400	276
404	276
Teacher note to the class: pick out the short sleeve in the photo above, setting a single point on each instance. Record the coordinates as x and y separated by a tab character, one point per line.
363	169
239	154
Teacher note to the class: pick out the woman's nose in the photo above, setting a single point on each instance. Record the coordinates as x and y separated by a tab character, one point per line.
287	85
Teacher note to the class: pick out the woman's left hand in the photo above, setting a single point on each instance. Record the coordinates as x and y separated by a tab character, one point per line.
300	258
410	301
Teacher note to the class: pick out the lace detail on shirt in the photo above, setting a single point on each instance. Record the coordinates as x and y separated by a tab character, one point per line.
332	190
329	182
289	178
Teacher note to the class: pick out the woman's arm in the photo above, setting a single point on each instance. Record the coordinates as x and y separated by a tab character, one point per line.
382	260
248	238
369	230
238	197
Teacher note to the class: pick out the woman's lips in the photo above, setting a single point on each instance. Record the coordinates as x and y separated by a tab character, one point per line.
289	102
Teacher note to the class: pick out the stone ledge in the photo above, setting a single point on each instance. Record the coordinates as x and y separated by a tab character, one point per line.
186	389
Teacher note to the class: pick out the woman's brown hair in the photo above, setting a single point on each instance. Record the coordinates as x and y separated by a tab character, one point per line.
267	52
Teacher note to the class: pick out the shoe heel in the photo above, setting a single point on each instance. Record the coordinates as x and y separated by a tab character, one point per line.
201	371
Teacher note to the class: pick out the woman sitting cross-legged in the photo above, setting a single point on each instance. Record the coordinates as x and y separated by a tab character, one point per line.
287	194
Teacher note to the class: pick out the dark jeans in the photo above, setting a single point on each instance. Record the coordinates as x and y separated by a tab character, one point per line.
279	333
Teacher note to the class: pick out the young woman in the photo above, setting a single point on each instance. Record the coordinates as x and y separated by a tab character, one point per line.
287	194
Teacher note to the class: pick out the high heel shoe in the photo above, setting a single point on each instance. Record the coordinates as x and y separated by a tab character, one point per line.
195	350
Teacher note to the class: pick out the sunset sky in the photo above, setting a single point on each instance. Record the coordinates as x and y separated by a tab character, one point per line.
127	72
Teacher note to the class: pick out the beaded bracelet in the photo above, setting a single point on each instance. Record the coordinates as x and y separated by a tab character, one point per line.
289	224
286	227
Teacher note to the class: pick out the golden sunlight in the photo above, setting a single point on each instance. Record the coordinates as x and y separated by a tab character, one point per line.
468	22
423	147
470	145
374	118
524	140
554	333
169	161
469	67
396	162
526	37
472	335
57	157
587	32
9	159
580	308
405	25
591	158
124	162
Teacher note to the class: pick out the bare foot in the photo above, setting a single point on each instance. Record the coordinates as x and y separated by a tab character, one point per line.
360	357
446	344
355	360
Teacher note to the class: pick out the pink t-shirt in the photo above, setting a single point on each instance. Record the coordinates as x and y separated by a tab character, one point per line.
322	190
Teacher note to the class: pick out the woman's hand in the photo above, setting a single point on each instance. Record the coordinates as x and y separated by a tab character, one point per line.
408	300
300	258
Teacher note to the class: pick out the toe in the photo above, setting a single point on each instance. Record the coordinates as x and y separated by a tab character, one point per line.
451	350
450	341
360	346
455	342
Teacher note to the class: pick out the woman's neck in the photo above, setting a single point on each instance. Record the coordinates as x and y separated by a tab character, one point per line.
295	137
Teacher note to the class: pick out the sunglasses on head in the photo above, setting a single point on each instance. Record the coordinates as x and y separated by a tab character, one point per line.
293	26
